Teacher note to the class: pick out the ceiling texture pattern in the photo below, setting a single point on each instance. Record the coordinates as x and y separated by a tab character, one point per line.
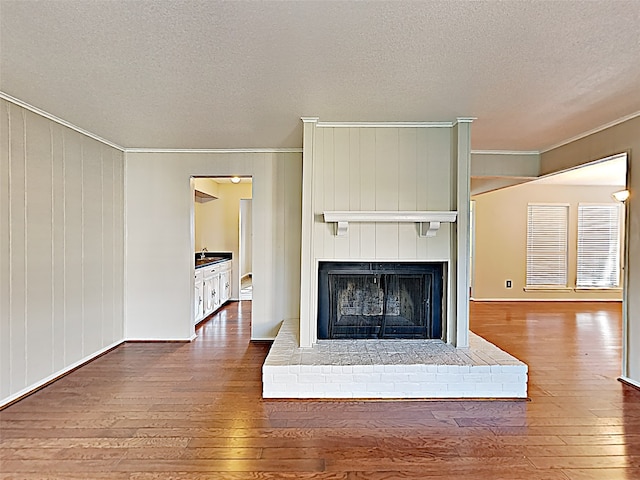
240	74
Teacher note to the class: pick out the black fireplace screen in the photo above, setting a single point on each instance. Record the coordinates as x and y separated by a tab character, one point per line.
380	300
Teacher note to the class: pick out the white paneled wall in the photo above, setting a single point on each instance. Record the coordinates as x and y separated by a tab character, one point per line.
159	208
373	168
62	249
381	169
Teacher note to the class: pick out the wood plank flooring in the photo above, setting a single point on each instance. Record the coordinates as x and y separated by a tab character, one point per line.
194	411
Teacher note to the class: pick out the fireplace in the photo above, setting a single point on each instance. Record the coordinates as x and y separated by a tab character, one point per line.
380	300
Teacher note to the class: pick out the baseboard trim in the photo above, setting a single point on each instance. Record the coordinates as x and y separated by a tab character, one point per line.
587	300
30	390
628	381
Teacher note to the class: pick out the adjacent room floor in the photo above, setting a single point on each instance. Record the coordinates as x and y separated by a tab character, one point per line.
194	411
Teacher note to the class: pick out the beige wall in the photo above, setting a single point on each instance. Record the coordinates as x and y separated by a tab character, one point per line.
61	249
624	137
217	224
501	240
160	245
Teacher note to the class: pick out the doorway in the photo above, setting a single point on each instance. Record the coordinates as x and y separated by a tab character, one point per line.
215	234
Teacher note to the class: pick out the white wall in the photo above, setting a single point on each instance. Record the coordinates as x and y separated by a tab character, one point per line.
160	246
61	249
624	137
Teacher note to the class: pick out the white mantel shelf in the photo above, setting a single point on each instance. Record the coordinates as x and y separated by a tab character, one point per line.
430	221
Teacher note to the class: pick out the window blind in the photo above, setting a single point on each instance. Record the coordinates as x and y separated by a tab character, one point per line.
598	261
547	245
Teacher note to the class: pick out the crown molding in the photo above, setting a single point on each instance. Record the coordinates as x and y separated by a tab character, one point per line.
591	132
385	124
464	120
310	119
213	150
505	152
58	120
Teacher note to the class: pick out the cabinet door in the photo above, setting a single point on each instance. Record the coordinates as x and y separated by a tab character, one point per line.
225	287
215	291
198	302
208	296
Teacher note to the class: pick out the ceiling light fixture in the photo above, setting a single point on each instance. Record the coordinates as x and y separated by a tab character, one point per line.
621	195
235	179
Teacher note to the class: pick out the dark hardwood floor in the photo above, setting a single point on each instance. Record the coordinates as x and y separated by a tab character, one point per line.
194	411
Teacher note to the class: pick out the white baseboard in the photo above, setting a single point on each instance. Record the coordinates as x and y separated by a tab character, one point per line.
633	383
473	299
54	376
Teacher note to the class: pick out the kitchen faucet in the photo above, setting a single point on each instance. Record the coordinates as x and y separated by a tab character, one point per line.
204	249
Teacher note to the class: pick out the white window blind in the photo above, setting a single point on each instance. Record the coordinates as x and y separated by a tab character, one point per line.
547	245
598	246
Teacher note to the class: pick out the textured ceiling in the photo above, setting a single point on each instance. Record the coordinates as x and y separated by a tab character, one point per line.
240	74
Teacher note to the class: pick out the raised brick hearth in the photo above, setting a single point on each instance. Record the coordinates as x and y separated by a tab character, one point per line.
389	369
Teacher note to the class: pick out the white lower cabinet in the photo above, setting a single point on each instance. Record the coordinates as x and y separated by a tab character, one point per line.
198	297
213	286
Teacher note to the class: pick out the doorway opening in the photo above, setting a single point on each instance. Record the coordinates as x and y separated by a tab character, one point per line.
219	251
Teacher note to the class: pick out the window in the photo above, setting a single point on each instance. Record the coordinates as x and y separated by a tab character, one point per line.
547	245
598	246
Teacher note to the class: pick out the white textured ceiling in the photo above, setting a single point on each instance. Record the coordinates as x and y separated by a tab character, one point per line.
240	74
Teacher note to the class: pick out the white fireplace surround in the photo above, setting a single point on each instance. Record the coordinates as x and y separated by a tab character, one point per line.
429	221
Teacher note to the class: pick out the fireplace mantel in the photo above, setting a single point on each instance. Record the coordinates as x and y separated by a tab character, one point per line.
429	221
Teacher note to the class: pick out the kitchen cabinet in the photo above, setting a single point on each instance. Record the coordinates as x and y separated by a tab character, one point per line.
198	297
213	287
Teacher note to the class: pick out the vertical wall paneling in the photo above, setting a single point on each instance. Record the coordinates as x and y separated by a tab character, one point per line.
367	192
379	167
57	246
5	252
54	203
92	246
407	191
355	171
341	173
18	261
387	189
73	299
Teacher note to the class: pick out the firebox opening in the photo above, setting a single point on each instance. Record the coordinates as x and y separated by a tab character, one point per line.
369	300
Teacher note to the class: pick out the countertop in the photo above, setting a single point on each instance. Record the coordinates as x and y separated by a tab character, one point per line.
209	260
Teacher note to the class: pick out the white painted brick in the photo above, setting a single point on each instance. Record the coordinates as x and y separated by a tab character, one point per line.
460	387
366	378
475	378
285	378
381	387
504	378
354	387
268	369
448	378
442	369
378	368
480	369
394	377
422	377
311	378
326	387
340	378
